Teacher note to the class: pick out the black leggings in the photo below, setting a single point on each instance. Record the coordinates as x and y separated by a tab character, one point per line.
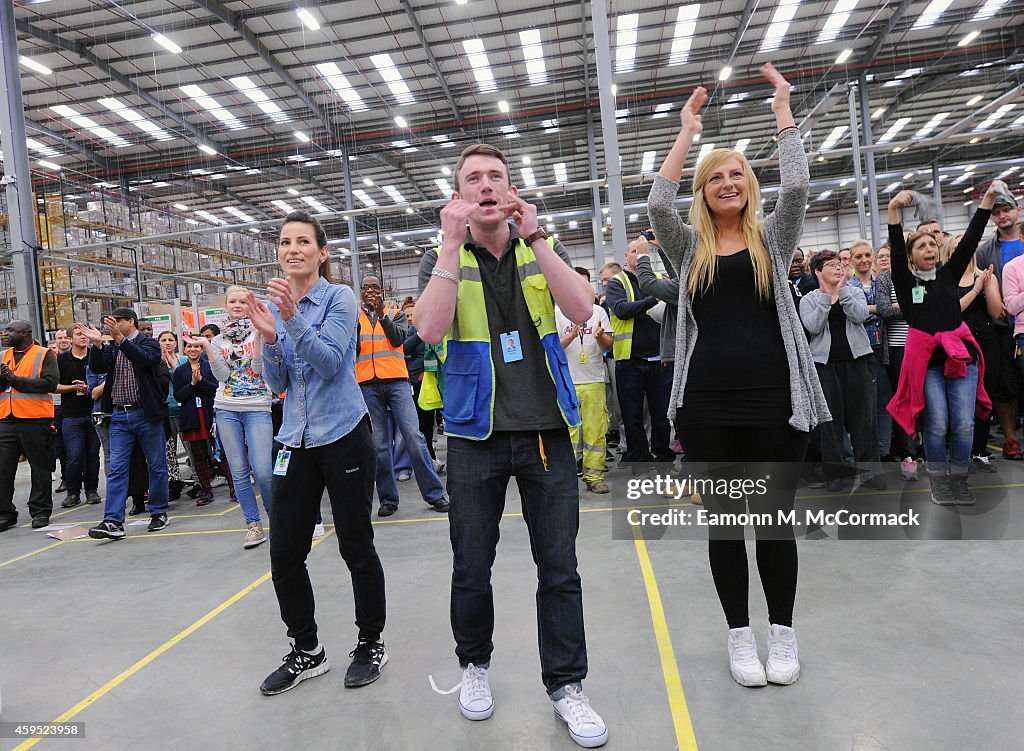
752	452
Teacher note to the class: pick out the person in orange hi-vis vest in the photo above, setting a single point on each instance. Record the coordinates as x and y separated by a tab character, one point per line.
28	375
384	380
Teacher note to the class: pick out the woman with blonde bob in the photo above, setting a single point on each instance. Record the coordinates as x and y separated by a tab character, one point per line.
745	393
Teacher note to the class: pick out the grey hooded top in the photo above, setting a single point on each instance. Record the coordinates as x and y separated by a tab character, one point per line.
781	231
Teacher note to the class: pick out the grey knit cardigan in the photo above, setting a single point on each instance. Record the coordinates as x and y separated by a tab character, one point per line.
781	231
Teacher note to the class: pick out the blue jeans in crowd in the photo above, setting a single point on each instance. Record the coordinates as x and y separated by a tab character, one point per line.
397	396
82	448
949	409
478	476
126	429
247	439
400	453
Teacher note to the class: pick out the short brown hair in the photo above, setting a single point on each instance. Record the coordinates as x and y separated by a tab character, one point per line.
480	149
914	237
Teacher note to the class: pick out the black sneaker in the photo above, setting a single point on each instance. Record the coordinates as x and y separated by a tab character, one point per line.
38	522
107	530
297	667
71	501
367	660
440	505
387	509
93	498
138	507
157	522
7	522
961	491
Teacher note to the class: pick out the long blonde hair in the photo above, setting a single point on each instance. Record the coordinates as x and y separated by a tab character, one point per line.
949	247
705	260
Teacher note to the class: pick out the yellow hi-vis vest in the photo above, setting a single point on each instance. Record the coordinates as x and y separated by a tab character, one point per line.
622	328
468	367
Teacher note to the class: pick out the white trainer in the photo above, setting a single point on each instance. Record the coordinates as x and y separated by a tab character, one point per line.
783	663
475	700
744	664
319	531
908	469
585	725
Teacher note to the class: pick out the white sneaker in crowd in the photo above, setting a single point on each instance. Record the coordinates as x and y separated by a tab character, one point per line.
475	700
783	663
908	468
585	725
254	535
744	664
319	531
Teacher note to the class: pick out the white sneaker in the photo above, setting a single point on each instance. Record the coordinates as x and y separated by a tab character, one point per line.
908	468
585	725
254	535
744	664
319	531
783	663
475	700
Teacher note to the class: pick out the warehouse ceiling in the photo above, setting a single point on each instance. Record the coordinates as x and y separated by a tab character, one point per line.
247	109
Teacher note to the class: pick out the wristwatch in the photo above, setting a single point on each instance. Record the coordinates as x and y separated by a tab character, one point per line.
537	234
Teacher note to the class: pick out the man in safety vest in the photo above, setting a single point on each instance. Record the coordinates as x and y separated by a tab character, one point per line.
638	368
508	405
384	380
28	376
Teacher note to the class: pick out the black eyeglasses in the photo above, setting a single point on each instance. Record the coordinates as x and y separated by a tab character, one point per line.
371	287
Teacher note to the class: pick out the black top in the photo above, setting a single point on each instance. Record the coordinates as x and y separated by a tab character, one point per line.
840	347
738	373
150	371
73	369
976	316
646	340
193	398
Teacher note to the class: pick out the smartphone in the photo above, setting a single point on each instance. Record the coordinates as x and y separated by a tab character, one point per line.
649	234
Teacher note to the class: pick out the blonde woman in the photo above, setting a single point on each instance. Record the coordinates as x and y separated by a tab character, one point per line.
981	304
745	390
244	425
171	359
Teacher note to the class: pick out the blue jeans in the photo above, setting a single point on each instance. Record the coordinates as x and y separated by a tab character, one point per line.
478	476
380	396
400	453
949	409
247	440
82	447
127	429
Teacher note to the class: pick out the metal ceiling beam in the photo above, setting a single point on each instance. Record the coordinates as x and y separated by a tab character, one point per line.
392	161
431	59
197	187
89	154
883	36
741	29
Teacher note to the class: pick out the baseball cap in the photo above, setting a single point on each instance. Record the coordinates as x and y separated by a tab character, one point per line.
125	313
1005	198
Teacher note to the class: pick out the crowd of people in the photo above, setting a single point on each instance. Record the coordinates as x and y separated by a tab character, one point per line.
862	356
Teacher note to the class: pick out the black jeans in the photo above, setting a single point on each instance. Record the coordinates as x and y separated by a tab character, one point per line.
751	452
990	353
34	439
426	419
634	380
851	394
57	451
478	476
346	468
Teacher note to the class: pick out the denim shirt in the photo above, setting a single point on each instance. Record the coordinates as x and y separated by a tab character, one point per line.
314	360
873	324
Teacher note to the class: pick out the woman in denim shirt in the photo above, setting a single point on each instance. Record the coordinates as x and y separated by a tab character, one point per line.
309	348
862	258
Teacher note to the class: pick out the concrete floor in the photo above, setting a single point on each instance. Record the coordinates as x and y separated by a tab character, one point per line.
904	645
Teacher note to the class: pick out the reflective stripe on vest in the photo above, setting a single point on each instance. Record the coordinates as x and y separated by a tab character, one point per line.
18	403
468	368
377	358
622	328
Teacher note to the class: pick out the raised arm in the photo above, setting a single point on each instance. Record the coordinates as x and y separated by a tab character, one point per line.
787	221
964	252
435	309
650	284
901	275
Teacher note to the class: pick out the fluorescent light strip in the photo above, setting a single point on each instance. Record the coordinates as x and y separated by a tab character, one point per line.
705	149
393	193
529	180
561	172
50	165
533	54
824	194
625	41
41	147
741	145
33	65
661	111
834	137
682	37
167	44
364	197
316	205
90	125
308	19
931	13
257	95
443	141
210	218
386	67
337	81
989	9
510	131
968	38
836	21
549	126
474	49
238	213
784	13
891	187
140	122
931	125
894	129
989	121
208	103
647	161
908	73
444	187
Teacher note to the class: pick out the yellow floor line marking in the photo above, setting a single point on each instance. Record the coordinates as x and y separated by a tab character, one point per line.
29	555
685	739
180	636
